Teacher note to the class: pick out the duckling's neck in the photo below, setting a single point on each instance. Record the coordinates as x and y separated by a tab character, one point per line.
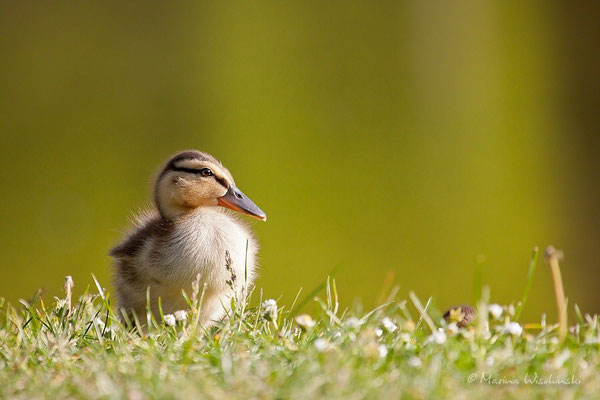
205	236
174	214
198	215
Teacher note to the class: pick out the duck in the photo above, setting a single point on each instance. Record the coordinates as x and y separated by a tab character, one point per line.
191	236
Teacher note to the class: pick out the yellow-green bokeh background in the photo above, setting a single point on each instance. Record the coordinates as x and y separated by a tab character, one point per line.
400	139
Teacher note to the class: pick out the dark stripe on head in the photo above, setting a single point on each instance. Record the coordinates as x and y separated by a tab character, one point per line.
190	170
222	182
187	155
190	155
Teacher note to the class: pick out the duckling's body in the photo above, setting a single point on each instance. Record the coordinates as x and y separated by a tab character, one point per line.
171	246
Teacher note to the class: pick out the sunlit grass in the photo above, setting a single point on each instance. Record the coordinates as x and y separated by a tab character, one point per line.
80	348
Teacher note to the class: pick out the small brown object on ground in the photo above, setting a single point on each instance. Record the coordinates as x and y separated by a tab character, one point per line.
463	315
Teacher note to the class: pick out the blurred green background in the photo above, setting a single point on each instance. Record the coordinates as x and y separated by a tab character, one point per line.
402	142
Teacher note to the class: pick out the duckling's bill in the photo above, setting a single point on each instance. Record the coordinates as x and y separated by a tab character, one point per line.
234	199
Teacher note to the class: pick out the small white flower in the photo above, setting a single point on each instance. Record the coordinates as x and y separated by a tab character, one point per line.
467	334
590	340
269	304
560	359
180	315
512	328
511	310
486	331
60	303
170	320
415	362
438	337
378	332
388	324
489	361
270	309
305	321
405	337
382	350
353	322
574	330
496	310
543	322
321	345
453	328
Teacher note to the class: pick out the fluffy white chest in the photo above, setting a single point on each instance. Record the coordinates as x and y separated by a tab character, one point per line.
201	245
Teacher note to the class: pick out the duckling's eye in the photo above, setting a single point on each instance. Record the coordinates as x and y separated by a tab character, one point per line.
206	172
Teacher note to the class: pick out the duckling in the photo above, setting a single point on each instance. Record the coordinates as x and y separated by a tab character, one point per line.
189	235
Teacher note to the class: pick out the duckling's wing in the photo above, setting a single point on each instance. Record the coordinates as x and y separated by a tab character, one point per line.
148	225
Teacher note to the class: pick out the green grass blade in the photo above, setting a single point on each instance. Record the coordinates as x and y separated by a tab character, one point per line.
530	273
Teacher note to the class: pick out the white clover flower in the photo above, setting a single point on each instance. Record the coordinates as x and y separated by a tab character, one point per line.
353	322
438	337
560	359
415	362
270	305
321	345
382	350
270	309
512	328
388	324
467	334
170	320
180	315
405	337
496	310
453	328
305	321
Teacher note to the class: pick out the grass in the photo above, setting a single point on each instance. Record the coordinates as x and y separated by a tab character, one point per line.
79	349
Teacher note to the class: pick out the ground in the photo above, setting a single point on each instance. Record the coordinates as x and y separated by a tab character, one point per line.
402	349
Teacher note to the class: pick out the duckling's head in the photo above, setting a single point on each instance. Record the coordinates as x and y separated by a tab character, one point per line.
193	179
